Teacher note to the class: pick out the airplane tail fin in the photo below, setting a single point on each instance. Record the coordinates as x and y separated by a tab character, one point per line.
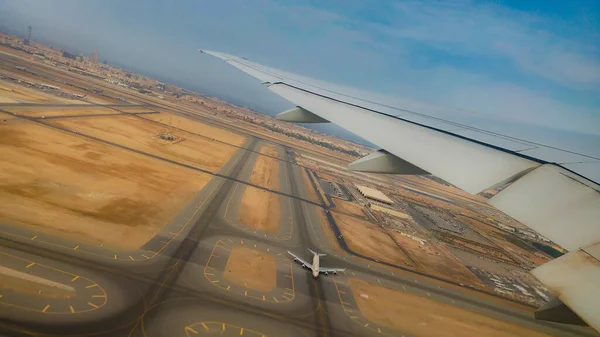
316	253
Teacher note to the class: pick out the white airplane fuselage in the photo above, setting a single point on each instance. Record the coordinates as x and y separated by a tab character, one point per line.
315	271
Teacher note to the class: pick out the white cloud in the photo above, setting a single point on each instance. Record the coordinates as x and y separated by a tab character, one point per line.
484	29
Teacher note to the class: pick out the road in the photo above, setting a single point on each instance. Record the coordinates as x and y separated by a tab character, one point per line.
175	285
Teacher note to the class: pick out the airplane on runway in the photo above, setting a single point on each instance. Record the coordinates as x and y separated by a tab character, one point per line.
538	182
316	269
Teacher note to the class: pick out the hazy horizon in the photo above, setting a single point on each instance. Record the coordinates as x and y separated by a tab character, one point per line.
534	64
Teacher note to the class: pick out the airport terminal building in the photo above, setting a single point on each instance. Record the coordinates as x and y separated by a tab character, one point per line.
374	195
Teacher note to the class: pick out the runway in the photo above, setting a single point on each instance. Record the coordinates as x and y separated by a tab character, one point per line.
175	284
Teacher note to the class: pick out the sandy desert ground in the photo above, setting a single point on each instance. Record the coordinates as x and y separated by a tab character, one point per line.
85	190
251	269
419	316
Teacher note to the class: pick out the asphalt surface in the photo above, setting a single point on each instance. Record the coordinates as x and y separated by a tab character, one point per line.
175	284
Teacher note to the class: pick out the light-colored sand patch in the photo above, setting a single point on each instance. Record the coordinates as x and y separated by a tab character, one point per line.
266	173
260	210
251	269
370	240
14	280
206	130
391	212
419	316
270	150
349	208
433	259
69	186
142	135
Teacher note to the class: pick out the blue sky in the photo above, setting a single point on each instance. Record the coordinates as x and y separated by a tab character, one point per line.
533	62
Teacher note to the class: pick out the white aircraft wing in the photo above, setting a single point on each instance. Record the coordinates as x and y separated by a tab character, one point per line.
301	260
331	270
548	188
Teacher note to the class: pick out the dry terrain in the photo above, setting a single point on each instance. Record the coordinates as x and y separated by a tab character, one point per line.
433	259
270	151
418	316
69	186
369	239
196	127
251	269
140	134
391	212
349	208
260	209
499	237
266	171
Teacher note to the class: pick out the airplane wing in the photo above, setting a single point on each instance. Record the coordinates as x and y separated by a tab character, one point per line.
331	270
301	260
550	189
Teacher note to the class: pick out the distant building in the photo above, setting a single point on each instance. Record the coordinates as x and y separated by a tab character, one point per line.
373	194
94	57
506	228
48	86
69	55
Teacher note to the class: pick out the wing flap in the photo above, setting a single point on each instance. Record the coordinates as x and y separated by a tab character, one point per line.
574	278
556	204
538	189
468	165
